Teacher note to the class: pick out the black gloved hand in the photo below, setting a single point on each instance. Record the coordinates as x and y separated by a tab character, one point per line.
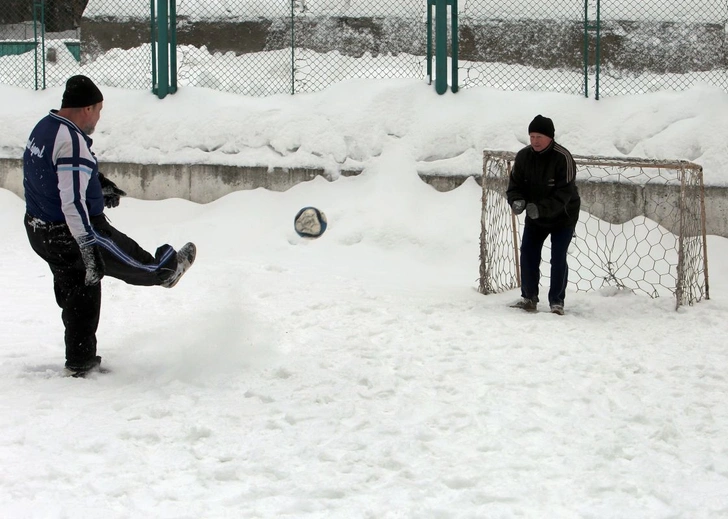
518	206
532	211
112	194
91	257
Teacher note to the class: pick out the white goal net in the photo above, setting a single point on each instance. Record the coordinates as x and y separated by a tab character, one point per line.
641	228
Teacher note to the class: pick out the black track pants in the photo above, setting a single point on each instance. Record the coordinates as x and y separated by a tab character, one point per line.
80	304
531	245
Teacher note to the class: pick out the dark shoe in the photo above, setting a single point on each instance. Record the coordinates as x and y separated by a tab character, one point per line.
80	370
185	259
557	309
529	305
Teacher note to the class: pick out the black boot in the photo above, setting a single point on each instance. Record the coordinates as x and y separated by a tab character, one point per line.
80	370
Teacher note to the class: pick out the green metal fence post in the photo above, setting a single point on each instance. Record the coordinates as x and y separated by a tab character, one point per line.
440	46
441	42
455	45
172	46
163	49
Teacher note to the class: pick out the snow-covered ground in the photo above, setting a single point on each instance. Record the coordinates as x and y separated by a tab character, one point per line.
361	375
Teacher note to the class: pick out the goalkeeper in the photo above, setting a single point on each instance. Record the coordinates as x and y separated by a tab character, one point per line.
543	183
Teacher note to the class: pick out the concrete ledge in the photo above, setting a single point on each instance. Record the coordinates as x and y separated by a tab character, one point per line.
200	183
203	183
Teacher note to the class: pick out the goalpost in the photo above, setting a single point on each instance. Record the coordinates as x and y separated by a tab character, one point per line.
641	228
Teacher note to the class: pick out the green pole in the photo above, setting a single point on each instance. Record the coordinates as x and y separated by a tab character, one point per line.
430	3
441	46
153	42
455	45
172	46
163	40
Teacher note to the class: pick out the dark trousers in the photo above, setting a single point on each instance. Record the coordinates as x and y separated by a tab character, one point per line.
531	246
80	304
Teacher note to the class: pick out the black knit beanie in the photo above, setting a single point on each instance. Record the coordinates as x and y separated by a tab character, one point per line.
80	91
542	125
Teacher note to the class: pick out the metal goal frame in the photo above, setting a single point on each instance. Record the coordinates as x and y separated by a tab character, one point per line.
641	228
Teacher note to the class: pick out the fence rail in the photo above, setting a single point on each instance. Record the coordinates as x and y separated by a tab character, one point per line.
585	47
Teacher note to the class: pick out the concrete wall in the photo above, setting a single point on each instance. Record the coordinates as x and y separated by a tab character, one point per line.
203	183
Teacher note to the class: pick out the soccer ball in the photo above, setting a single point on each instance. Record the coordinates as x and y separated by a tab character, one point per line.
310	222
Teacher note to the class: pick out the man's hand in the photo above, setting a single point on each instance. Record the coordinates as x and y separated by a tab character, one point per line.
91	257
532	211
112	194
518	206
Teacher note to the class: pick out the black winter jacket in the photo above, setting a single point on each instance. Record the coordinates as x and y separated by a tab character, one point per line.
547	179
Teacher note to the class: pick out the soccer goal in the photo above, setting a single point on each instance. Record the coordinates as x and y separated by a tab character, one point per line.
641	228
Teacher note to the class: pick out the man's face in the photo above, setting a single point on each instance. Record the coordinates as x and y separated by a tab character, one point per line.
539	141
92	114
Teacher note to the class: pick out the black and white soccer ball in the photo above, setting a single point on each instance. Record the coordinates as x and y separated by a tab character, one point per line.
310	222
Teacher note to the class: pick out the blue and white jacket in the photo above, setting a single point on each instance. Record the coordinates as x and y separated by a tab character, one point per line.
61	176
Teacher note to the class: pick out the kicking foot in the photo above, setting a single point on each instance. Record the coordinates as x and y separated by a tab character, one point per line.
185	259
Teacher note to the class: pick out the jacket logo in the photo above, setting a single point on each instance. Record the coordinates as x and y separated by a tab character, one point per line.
34	150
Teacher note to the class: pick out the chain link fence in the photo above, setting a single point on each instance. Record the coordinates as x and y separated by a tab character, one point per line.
613	47
38	41
650	45
43	42
299	46
523	45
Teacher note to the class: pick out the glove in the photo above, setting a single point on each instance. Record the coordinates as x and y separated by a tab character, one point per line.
518	206
532	211
112	194
91	257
